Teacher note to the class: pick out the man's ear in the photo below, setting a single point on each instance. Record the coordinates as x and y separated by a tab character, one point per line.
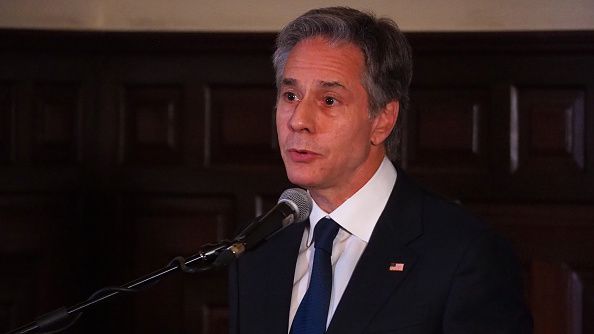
384	122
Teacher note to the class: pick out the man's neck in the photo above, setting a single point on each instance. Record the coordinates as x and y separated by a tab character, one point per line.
328	199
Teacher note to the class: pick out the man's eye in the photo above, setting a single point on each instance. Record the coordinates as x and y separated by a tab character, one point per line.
329	101
291	96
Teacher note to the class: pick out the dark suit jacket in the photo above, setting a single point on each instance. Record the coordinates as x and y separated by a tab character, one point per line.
458	276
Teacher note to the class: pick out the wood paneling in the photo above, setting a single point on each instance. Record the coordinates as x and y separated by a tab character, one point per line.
6	123
37	236
548	130
19	292
554	240
215	319
242	125
56	123
447	129
151	125
165	227
555	294
119	151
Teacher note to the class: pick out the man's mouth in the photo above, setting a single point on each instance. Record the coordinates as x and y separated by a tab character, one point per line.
298	155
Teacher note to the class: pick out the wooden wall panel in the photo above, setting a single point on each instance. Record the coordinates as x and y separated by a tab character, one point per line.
548	130
37	236
165	227
555	294
5	316
242	128
447	129
215	319
130	148
551	233
56	123
6	123
17	298
151	124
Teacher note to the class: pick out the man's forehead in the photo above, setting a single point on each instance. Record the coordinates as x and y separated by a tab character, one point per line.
325	63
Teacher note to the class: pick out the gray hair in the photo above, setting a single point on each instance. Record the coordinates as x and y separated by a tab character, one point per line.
386	51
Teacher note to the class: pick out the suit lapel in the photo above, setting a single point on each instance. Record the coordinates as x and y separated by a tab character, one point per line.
273	273
385	262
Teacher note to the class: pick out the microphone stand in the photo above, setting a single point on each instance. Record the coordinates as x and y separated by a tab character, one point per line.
203	261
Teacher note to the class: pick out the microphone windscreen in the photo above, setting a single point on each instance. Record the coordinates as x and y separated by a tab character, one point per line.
300	200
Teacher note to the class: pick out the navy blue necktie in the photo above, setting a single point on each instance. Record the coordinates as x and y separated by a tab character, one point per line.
312	313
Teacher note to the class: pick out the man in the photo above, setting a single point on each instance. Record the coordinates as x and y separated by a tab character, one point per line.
399	260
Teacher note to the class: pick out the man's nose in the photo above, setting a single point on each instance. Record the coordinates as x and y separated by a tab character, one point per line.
303	117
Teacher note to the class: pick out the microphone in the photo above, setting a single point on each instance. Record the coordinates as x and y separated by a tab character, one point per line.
294	205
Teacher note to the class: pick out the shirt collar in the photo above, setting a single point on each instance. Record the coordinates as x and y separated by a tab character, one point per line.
359	214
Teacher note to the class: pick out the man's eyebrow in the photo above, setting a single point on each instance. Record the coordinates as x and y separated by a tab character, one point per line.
289	82
324	84
332	84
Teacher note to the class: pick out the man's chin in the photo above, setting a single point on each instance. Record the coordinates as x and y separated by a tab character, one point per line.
301	180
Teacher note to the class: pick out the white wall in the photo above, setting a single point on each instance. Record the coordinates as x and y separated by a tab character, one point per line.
270	15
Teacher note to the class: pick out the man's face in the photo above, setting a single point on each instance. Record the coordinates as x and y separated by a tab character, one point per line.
322	118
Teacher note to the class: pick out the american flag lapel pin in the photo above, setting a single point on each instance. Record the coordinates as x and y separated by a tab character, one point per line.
396	266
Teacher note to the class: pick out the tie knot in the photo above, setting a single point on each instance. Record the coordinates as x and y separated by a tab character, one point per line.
324	234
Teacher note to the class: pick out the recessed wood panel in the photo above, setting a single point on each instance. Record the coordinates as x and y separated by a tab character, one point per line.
4	315
38	265
151	124
169	226
26	222
242	125
56	130
19	281
215	319
551	233
548	127
555	298
6	123
447	127
555	232
178	224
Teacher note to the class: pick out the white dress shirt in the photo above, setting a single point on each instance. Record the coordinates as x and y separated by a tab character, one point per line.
357	217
